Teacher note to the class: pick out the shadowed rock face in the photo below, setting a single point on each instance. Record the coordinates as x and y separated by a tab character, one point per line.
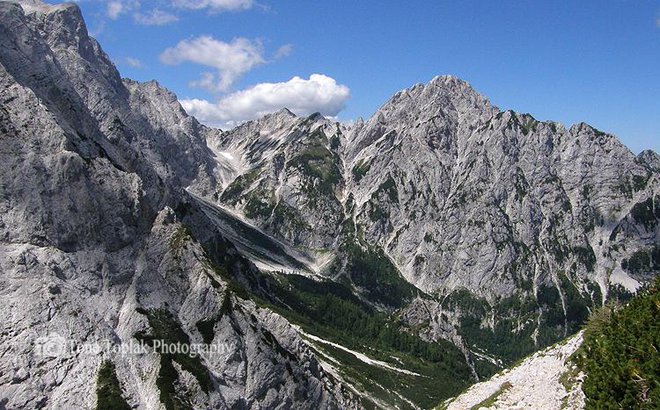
469	223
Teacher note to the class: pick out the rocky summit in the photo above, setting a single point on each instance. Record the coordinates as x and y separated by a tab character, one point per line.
388	263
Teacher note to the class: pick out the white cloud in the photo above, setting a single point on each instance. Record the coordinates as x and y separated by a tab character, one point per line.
319	93
207	82
657	22
114	9
155	17
284	51
217	6
134	62
231	59
207	112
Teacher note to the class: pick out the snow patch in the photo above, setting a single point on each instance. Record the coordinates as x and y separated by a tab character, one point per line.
619	277
227	155
360	356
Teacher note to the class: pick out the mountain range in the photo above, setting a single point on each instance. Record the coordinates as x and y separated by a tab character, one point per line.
391	262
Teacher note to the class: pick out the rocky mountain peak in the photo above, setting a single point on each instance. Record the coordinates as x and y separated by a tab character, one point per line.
448	236
445	103
315	116
38	6
442	92
94	205
277	120
63	26
284	112
650	158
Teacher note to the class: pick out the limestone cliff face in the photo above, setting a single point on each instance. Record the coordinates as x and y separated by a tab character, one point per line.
490	200
518	225
93	250
124	219
458	193
287	176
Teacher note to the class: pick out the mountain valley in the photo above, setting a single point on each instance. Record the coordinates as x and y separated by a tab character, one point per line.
389	263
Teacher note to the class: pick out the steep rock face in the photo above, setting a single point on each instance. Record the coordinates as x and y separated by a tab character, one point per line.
534	220
458	193
85	116
94	300
517	227
292	179
440	217
95	242
537	222
466	196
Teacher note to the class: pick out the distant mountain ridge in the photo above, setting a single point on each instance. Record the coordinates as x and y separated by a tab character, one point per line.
519	227
390	263
434	166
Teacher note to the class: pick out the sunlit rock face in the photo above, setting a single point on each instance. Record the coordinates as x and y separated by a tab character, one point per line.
93	246
123	219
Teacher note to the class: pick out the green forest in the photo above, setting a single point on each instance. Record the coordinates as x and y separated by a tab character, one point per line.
620	354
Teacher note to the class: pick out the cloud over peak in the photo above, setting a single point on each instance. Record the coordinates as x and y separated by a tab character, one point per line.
155	17
165	13
217	6
319	93
114	9
231	60
134	62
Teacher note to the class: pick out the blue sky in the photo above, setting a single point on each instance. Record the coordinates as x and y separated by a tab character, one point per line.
230	60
